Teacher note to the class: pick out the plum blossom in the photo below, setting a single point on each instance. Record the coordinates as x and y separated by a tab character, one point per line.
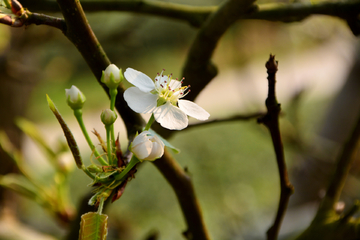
162	98
147	146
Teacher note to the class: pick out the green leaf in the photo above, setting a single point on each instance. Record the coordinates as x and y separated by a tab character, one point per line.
69	136
167	144
93	226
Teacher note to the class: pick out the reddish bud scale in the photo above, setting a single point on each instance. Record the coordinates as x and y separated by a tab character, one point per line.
5	19
16	8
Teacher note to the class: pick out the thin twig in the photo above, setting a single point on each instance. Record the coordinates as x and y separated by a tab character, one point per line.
271	121
230	119
28	18
184	190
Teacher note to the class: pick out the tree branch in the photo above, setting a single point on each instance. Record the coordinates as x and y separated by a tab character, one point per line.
271	121
185	193
230	119
196	16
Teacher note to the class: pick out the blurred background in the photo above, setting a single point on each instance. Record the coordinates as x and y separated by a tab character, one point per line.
232	164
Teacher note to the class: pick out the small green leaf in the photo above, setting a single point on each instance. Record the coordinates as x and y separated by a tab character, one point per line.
69	136
167	144
93	226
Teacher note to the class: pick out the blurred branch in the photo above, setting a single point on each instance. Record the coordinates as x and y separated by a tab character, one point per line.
198	68
184	190
341	171
230	119
196	16
271	121
299	11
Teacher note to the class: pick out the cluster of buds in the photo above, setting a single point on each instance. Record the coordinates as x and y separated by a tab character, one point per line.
18	10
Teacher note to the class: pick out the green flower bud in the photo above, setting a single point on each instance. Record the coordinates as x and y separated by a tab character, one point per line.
112	76
75	98
108	116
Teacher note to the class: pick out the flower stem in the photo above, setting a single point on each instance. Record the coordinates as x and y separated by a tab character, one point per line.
134	160
113	92
78	115
150	122
108	142
88	172
101	205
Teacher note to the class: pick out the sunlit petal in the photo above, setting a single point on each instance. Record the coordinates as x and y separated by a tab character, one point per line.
193	110
142	150
139	79
139	101
170	117
156	152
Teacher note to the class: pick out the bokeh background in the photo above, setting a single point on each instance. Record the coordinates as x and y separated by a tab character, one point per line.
232	164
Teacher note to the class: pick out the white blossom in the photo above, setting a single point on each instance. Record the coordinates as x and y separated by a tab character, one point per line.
162	98
147	146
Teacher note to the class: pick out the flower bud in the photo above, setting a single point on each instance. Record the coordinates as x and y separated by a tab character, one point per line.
108	116
147	146
75	98
112	76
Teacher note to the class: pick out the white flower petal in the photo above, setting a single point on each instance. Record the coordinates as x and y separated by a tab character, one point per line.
139	79
170	117
142	150
139	101
140	139
156	152
193	110
112	69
